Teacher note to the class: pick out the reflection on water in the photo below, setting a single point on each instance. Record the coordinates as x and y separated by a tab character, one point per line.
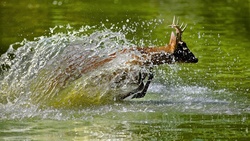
121	122
205	101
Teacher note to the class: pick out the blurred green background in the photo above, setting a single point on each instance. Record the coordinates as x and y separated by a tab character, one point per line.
32	18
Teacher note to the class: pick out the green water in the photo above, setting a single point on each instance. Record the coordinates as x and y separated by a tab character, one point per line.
204	101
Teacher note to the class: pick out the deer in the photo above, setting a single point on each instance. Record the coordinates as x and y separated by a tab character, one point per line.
75	66
174	52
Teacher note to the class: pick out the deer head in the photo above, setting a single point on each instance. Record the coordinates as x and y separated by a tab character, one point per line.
177	47
175	51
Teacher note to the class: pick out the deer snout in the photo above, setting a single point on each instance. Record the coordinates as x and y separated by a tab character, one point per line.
193	60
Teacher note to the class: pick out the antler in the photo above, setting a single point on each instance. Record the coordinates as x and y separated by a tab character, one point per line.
179	29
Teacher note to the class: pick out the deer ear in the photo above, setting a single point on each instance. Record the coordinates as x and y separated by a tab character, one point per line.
172	43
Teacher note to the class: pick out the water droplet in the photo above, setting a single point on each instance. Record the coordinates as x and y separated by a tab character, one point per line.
199	35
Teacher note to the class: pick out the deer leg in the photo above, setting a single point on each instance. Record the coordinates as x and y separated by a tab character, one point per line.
145	88
141	90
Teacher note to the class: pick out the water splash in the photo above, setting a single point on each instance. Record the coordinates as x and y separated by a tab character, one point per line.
58	70
49	72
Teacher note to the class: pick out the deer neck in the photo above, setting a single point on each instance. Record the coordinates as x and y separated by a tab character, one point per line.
162	54
157	55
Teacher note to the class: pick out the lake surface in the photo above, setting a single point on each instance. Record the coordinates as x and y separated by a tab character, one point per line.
209	100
